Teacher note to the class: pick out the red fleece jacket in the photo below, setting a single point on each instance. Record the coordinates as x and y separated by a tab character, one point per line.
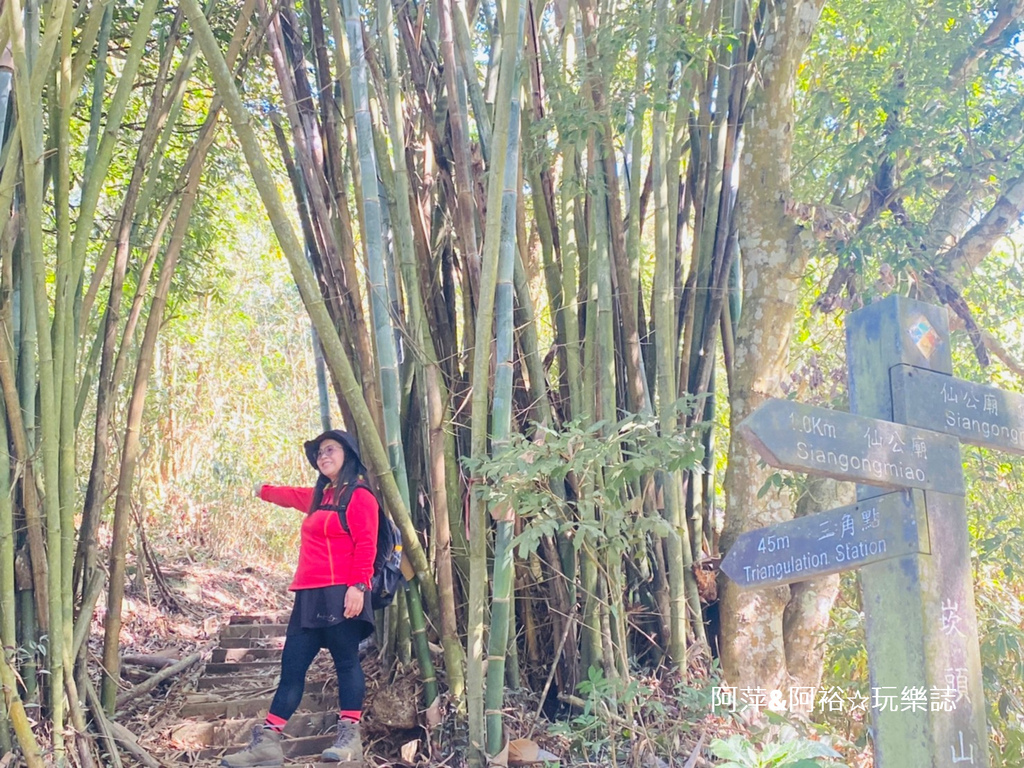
327	554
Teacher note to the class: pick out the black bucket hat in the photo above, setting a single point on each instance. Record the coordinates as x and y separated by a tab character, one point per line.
350	444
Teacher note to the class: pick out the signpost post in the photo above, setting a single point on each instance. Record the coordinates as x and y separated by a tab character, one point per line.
911	546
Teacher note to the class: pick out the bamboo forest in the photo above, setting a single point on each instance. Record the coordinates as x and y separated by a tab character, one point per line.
680	342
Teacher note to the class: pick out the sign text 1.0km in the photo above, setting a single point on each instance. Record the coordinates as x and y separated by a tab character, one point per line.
820	441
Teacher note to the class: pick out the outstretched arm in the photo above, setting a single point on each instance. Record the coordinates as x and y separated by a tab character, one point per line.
287	496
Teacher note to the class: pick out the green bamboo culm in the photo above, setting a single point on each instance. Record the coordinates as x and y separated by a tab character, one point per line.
64	332
8	623
665	322
28	84
373	244
387	357
429	368
508	86
8	604
501	409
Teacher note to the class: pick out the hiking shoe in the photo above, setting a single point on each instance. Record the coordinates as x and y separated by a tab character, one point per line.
348	745
263	750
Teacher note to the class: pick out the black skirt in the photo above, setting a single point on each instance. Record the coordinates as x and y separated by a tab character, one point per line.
325	607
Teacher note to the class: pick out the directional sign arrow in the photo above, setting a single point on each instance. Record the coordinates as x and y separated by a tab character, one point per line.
975	413
820	441
828	542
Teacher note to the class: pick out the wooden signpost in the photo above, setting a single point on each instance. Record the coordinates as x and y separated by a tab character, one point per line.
911	546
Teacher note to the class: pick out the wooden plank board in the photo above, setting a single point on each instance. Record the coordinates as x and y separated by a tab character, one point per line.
222	655
252	642
267	681
241	667
212	706
294	749
253	630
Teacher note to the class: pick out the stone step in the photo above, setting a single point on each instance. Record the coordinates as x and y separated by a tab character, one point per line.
294	749
241	618
253	630
227	655
249	683
213	705
227	733
240	667
233	643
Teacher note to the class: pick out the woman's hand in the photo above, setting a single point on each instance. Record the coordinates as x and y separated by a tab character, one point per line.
354	597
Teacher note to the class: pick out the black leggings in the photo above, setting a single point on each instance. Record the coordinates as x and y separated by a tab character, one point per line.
342	640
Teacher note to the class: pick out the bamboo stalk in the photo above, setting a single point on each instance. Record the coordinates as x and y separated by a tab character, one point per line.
89	598
465	207
90	194
379	264
501	410
22	452
437	418
537	161
570	271
8	604
64	364
476	94
32	156
387	360
115	111
306	282
102	723
664	314
508	84
610	236
99	77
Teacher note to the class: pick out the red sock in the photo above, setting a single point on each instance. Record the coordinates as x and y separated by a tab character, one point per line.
274	723
355	715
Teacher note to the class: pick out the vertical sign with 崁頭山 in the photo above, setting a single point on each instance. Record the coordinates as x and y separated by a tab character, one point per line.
921	623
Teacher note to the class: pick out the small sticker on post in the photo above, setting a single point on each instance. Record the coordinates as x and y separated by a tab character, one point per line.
925	338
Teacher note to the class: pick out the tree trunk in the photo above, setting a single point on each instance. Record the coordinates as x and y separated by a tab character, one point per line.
774	257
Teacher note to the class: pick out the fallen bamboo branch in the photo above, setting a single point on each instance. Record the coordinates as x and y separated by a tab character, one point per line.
551	674
102	724
77	715
149	660
156	679
82	623
578	703
19	719
158	577
695	755
127	740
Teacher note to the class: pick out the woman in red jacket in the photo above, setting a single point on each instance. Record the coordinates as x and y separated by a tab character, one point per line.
332	603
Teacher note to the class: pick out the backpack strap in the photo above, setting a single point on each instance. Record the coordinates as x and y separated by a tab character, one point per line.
343	500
